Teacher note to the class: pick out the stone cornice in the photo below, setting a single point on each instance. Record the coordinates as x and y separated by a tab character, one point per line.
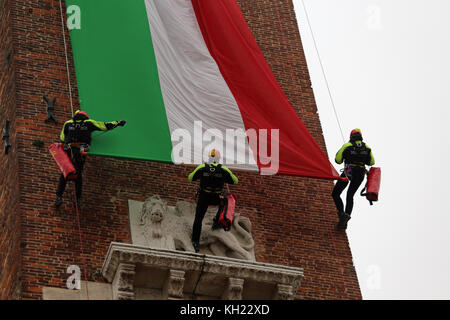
120	253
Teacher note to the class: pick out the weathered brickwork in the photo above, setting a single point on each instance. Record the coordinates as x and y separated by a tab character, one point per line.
9	187
293	218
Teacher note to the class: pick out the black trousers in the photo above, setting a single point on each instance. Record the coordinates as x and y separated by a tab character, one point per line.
357	177
78	161
205	199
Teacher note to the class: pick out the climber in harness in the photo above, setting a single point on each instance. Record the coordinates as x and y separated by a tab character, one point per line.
76	136
356	155
213	177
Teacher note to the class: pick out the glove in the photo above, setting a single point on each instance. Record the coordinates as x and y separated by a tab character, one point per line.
121	123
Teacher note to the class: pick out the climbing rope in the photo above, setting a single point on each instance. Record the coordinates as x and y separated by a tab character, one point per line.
67	59
319	58
323	69
324	75
81	241
71	107
61	76
341	269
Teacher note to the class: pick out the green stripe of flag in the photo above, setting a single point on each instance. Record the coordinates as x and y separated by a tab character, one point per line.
117	78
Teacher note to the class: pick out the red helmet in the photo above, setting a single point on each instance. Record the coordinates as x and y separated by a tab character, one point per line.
82	113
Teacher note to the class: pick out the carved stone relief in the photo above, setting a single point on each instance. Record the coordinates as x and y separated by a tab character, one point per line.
155	224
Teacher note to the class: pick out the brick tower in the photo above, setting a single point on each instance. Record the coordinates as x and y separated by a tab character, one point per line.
293	219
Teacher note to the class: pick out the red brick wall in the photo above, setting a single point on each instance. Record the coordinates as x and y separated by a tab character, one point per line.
9	186
293	218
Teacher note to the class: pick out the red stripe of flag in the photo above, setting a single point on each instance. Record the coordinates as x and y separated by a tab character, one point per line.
261	100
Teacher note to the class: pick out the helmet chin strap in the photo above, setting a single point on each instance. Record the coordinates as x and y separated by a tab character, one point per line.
212	160
356	137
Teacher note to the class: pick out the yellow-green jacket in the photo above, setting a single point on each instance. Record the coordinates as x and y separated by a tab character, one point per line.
76	130
355	153
212	177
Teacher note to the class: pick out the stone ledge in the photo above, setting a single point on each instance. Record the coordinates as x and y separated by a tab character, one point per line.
204	275
96	291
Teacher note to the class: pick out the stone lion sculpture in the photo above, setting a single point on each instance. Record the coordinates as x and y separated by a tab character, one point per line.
162	226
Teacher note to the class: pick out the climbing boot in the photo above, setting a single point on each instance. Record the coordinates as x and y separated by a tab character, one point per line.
196	246
343	220
58	201
215	225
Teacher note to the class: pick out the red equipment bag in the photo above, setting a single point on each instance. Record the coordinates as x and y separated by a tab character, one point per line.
372	187
226	211
62	160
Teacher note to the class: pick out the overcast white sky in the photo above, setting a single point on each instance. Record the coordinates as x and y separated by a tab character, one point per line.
388	66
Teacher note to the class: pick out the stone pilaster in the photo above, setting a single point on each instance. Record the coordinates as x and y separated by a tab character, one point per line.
283	292
123	283
173	287
234	289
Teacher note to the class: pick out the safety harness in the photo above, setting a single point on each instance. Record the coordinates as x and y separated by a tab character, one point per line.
78	131
356	156
212	179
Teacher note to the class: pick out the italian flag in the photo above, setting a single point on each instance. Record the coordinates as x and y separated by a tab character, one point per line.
186	67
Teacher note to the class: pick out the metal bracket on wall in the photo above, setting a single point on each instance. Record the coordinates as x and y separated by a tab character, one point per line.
50	110
5	137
